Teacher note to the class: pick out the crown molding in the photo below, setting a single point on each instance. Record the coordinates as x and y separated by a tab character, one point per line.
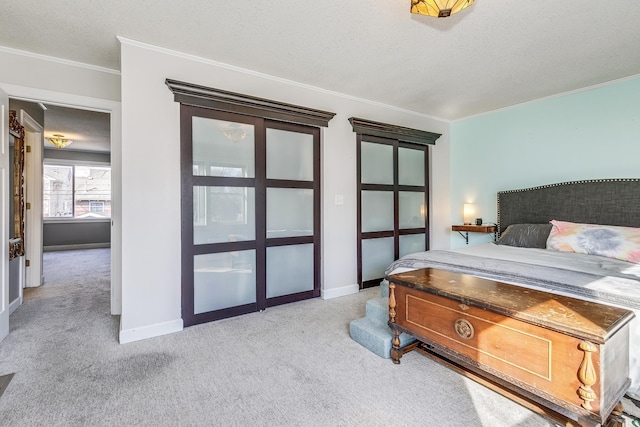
59	60
191	57
371	128
550	97
202	96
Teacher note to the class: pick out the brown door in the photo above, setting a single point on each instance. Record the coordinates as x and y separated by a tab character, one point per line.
250	213
392	204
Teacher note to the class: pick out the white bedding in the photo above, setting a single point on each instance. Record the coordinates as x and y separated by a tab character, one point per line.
591	277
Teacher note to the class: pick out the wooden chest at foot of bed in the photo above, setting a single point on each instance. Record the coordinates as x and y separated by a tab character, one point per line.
568	355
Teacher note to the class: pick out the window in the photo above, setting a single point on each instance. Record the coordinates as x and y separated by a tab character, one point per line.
96	207
76	191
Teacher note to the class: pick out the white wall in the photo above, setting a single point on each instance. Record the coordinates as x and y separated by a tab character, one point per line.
43	72
151	177
590	134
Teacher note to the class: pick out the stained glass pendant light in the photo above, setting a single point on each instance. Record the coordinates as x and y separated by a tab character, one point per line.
439	8
58	140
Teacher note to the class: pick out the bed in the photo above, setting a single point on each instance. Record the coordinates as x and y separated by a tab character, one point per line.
607	272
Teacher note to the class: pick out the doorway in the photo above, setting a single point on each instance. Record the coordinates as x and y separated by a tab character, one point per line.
64	212
114	109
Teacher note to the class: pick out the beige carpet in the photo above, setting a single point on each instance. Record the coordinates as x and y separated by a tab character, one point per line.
293	365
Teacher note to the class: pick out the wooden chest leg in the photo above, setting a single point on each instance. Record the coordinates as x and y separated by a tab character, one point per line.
396	353
616	419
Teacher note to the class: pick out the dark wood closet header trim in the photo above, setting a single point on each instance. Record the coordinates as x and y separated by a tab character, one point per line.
206	97
368	127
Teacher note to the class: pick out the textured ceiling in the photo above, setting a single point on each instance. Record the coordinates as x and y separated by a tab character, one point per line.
493	54
89	130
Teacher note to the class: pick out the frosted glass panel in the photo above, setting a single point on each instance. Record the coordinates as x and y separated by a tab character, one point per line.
411	243
223	214
289	155
289	269
289	212
224	280
377	210
410	166
377	254
222	148
376	163
412	209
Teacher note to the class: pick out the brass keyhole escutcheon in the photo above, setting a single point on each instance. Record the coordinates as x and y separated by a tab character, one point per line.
464	329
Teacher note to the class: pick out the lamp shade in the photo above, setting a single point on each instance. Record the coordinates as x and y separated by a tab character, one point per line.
468	212
439	8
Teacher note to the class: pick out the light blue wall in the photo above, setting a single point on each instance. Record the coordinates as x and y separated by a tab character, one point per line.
585	135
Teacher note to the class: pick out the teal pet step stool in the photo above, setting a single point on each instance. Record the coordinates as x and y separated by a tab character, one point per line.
372	331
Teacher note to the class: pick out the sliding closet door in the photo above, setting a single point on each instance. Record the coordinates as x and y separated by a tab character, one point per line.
413	196
219	231
250	205
293	212
377	207
392	208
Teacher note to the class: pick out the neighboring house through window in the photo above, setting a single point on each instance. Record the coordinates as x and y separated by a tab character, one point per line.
76	191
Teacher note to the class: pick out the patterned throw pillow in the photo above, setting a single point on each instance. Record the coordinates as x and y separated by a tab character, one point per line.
605	240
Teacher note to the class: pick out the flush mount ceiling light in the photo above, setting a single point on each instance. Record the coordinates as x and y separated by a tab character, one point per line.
439	8
58	140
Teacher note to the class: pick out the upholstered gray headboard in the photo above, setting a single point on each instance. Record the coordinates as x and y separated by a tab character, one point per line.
599	201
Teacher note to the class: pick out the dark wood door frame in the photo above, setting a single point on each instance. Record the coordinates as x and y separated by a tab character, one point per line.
260	182
396	188
397	137
267	113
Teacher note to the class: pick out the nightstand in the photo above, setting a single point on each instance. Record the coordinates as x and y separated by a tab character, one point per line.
474	229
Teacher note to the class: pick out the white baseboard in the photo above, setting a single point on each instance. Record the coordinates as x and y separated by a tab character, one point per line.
35	286
53	248
13	305
150	331
339	292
